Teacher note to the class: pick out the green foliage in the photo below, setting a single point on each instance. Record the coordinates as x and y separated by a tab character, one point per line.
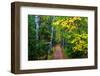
38	49
73	30
32	53
44	30
75	35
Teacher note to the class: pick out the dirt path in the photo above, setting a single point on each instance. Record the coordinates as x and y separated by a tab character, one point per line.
58	52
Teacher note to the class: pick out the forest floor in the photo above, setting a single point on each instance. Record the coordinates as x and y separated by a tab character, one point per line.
58	52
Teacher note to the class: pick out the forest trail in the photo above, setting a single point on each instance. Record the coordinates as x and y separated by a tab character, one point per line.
58	52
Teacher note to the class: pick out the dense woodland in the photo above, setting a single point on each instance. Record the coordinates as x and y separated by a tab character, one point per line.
57	37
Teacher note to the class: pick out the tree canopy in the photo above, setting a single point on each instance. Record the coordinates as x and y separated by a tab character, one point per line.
44	32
